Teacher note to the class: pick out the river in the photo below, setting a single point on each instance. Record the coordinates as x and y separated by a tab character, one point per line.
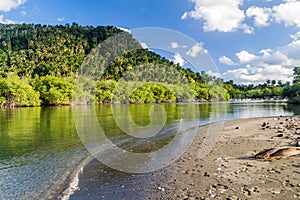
40	147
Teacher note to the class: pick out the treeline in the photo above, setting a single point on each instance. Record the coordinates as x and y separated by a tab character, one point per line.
270	89
293	91
39	64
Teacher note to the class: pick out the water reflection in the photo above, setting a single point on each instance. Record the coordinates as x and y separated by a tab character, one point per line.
39	146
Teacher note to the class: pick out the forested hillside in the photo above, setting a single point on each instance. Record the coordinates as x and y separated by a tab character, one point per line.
39	63
30	49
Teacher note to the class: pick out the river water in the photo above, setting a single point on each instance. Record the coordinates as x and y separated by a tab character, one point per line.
40	147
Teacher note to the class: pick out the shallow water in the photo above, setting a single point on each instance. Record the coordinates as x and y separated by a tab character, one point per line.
40	147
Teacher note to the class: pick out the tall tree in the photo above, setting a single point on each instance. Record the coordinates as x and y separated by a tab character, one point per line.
296	75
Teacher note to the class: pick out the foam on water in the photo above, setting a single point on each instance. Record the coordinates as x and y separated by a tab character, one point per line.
73	185
38	174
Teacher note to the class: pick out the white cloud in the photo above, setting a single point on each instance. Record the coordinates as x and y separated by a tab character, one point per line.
124	29
7	5
259	74
288	13
228	15
247	29
177	59
261	15
274	58
225	60
144	45
221	15
185	15
195	50
6	21
292	51
60	19
295	36
23	13
268	64
174	45
245	57
266	52
213	74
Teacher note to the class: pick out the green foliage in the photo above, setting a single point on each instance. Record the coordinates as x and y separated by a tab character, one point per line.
218	93
233	91
183	92
17	92
104	91
148	92
152	93
255	93
52	56
84	90
53	90
296	75
201	91
30	49
293	92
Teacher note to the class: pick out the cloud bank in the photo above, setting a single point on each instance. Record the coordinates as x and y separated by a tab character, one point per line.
8	5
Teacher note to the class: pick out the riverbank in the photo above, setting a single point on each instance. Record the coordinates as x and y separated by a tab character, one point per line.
227	172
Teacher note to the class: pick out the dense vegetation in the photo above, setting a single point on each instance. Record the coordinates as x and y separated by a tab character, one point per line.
39	63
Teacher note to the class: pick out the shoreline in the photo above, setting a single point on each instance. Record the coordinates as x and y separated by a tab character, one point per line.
227	172
71	104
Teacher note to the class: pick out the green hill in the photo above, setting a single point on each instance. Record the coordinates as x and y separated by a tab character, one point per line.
39	63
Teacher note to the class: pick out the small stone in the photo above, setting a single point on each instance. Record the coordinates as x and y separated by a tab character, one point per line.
246	191
237	127
280	135
161	189
188	171
206	174
276	192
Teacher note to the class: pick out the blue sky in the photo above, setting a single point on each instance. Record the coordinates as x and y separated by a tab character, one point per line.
249	41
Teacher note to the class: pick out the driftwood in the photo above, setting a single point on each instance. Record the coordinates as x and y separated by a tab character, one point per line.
277	153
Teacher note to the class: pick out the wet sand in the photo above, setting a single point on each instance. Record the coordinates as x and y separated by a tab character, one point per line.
227	172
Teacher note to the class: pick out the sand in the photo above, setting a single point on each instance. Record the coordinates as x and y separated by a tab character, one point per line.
227	172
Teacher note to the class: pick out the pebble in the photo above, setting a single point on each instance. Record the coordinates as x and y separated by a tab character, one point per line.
246	191
206	174
161	189
276	192
280	135
188	171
